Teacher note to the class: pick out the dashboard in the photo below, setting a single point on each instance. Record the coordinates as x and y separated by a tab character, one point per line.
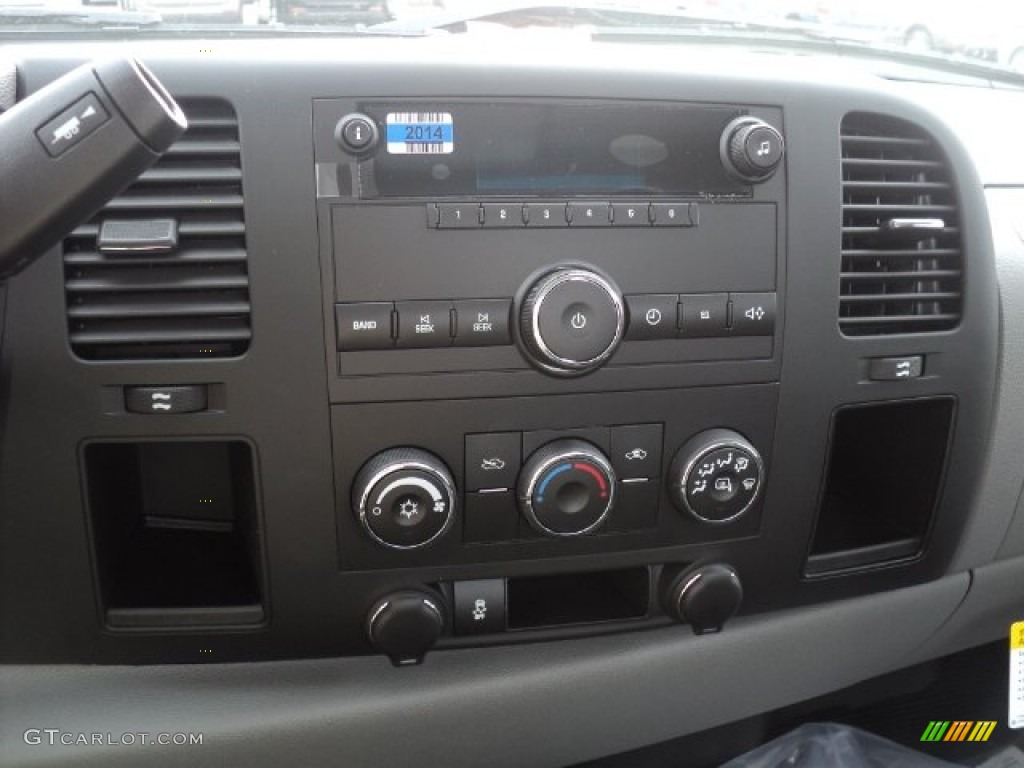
543	401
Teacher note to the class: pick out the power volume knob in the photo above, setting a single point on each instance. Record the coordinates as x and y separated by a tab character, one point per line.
571	321
752	150
567	488
404	498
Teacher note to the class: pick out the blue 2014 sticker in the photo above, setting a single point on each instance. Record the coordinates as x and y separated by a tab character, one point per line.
420	133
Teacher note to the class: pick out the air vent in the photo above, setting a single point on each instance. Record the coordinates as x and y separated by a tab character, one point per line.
902	260
168	278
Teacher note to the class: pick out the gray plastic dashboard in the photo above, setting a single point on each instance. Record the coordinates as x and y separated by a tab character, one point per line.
550	703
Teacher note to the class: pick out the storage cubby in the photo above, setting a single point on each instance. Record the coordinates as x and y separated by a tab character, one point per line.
578	598
175	529
884	474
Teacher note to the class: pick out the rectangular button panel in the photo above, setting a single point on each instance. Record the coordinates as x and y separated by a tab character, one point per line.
700	315
502	215
479	606
590	215
364	325
545	215
636	450
652	316
189	398
704	315
458	215
424	323
672	214
631	215
492	460
482	322
579	214
896	368
753	314
376	325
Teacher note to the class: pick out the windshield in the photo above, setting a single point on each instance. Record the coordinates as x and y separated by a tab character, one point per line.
984	34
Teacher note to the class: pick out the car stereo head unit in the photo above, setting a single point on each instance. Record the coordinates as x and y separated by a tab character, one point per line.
542	148
566	237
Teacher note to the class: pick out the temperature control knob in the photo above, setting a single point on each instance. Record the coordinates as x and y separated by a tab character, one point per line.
566	488
752	149
572	321
404	497
716	476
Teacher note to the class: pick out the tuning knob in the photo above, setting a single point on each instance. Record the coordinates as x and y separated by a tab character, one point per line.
566	488
571	321
404	498
704	597
716	476
405	625
752	150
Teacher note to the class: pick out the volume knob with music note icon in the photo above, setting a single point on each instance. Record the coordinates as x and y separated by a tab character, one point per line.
752	150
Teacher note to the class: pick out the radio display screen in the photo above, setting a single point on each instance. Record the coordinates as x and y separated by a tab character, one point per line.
524	149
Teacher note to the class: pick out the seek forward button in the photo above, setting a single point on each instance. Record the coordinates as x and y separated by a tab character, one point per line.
482	322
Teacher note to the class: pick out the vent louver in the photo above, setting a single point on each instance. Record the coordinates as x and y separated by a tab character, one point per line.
902	260
186	298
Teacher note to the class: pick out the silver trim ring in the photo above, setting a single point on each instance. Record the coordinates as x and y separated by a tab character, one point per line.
743	446
371	622
691	582
527	500
401	467
556	279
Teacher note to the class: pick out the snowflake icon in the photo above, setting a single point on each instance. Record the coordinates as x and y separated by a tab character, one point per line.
408	509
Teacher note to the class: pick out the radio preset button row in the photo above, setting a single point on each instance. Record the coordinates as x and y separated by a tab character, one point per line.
574	214
659	316
377	325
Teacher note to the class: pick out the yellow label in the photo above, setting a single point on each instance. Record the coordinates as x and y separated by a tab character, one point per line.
1017	636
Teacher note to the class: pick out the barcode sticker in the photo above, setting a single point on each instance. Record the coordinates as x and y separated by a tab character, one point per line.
420	133
1016	718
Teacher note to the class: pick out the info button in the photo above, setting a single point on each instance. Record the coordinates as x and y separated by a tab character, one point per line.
652	316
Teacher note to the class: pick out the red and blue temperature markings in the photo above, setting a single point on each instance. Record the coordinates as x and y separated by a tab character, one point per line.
558	469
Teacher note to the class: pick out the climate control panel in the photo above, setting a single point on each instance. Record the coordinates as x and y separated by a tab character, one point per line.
469	482
586	482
